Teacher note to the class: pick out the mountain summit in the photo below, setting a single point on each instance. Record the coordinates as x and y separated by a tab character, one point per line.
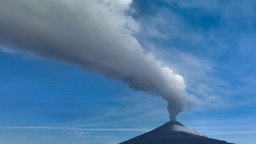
173	133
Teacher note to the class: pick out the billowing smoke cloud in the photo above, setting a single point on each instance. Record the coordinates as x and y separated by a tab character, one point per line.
95	34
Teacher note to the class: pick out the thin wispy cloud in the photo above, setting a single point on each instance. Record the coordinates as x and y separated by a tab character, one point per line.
71	128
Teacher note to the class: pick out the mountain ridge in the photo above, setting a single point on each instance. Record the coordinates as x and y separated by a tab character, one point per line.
166	134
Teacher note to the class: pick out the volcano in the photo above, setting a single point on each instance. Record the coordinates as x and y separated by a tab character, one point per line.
173	133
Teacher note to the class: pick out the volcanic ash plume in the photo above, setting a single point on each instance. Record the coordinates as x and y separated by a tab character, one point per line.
94	34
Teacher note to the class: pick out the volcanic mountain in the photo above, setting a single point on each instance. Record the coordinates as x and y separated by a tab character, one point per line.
173	133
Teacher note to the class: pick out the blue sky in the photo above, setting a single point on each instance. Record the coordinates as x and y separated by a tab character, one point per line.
47	99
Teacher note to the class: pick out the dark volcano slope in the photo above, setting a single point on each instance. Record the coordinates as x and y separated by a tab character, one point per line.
165	134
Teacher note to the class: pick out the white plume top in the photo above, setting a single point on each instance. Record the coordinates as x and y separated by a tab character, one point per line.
95	34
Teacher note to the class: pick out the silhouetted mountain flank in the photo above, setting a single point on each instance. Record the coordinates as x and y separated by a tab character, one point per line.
173	133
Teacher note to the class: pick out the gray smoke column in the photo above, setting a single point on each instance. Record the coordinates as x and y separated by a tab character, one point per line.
94	34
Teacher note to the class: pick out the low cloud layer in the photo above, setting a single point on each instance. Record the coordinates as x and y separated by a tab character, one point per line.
94	34
71	128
